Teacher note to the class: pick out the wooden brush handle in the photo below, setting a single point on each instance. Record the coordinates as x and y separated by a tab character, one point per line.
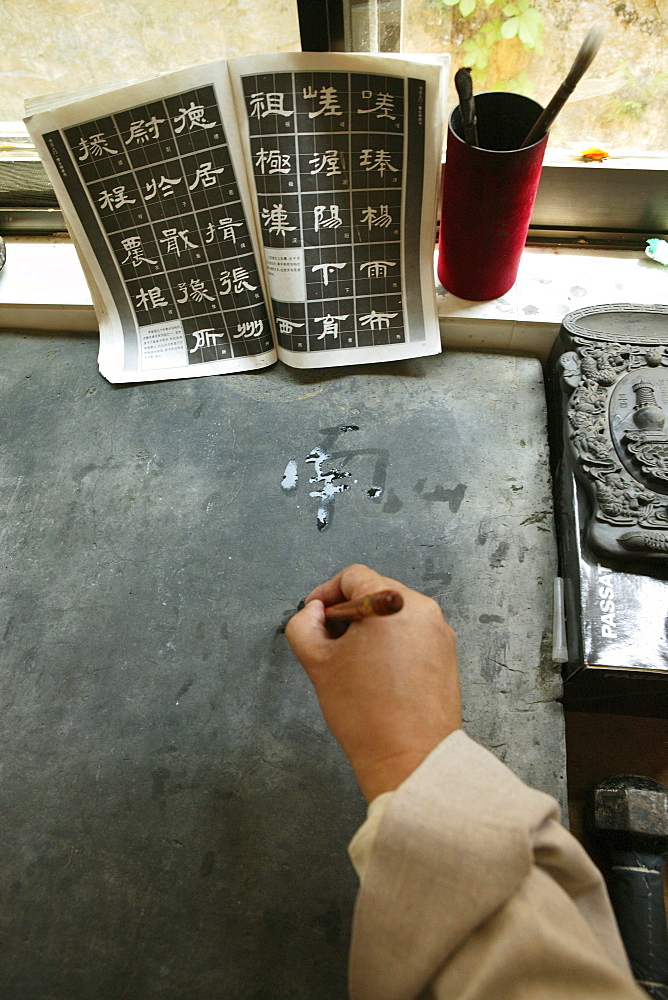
546	117
384	602
583	61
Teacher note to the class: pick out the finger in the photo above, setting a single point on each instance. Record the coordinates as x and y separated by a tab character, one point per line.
353	581
328	592
306	631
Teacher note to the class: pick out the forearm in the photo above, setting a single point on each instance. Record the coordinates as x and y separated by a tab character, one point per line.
470	884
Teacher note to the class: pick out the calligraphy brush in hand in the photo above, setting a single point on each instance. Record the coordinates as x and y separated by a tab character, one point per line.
581	64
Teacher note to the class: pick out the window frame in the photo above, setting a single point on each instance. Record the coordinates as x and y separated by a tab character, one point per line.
599	203
606	204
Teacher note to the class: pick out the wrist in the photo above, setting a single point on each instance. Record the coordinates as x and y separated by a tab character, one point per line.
385	775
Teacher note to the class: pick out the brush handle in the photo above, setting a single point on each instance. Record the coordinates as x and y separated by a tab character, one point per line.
581	64
545	119
384	602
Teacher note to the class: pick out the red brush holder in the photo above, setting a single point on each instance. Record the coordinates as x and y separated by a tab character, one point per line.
488	195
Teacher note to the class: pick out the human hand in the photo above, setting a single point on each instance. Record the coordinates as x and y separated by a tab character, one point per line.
388	687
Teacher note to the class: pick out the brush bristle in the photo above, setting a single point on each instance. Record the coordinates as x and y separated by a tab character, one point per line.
585	56
464	84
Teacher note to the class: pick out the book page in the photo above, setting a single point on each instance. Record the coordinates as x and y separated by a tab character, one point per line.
152	182
345	154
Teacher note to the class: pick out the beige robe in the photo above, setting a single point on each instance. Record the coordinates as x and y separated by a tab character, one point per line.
470	889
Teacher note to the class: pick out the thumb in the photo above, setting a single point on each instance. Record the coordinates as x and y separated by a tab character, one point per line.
307	633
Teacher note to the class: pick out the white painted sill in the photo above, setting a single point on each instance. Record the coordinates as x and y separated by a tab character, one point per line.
550	283
42	287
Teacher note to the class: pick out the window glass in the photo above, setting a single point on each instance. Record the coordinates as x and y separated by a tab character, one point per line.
528	46
64	45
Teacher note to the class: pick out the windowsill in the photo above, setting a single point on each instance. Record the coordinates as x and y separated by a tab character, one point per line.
550	283
42	287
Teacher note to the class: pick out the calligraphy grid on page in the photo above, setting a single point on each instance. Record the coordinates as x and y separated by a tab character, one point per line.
165	192
333	159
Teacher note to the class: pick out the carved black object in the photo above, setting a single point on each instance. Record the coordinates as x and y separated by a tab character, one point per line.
608	396
629	817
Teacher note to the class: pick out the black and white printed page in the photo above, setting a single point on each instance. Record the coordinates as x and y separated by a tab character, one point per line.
345	155
152	181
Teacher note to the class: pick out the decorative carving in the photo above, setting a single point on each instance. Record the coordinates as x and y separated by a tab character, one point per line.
652	456
641	541
648	444
617	430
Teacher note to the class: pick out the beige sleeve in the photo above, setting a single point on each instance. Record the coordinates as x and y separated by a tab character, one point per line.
472	890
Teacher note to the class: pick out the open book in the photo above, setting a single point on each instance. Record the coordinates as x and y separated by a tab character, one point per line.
275	206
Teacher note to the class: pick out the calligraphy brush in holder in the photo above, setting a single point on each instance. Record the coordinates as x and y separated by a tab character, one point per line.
581	64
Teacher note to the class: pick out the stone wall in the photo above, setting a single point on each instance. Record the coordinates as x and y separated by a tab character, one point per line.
621	103
63	45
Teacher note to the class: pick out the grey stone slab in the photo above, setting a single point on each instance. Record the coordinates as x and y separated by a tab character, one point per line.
174	811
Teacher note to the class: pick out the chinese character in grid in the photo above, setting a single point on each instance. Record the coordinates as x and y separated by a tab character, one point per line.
225	227
171	239
276	220
235	281
165	186
330	325
272	159
377	321
326	270
114	199
269	103
376	217
333	221
328	99
94	145
330	161
377	268
205	338
381	163
382	108
194	290
251	328
135	251
193	117
286	326
205	175
150	298
143	131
